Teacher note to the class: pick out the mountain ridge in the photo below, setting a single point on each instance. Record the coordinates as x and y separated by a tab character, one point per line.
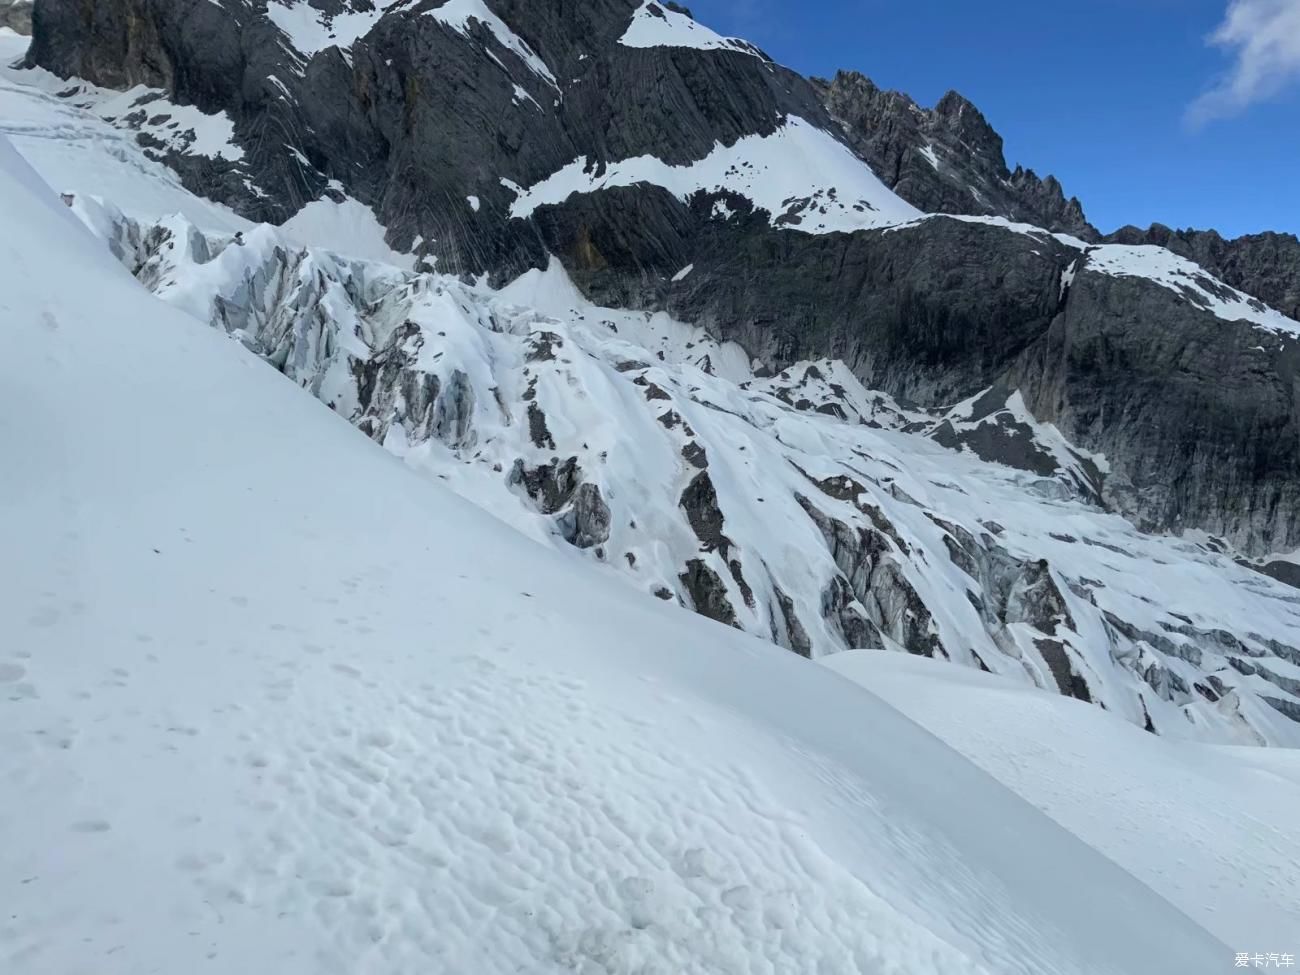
947	159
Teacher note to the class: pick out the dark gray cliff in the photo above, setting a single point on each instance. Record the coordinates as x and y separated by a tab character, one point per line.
418	116
1266	266
931	313
946	159
1195	414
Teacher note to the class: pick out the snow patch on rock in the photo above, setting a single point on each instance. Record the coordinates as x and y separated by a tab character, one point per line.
1189	280
311	31
802	176
654	25
346	227
460	14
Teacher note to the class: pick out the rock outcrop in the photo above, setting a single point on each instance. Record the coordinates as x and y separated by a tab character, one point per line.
946	159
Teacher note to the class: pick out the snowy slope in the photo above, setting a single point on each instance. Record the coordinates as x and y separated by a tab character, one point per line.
802	176
463	15
346	227
1206	827
273	703
310	31
1189	280
1156	264
654	25
68	131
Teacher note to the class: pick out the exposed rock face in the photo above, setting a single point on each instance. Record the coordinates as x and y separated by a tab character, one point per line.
951	302
586	523
16	15
1266	266
424	110
947	159
1203	428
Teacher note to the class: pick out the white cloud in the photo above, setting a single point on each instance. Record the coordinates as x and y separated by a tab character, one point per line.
1264	36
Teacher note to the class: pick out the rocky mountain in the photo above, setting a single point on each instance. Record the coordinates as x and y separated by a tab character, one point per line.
947	159
664	303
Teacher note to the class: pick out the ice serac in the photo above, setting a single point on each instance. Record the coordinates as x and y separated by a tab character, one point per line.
273	703
633	143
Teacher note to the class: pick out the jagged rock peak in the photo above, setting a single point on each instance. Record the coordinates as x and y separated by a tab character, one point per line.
947	159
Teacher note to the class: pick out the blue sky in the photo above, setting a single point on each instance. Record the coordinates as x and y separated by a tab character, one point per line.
1109	95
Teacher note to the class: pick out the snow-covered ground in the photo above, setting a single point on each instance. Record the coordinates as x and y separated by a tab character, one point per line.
1204	826
271	702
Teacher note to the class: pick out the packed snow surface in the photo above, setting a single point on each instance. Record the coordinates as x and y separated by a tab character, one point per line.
805	178
272	703
1204	826
654	25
